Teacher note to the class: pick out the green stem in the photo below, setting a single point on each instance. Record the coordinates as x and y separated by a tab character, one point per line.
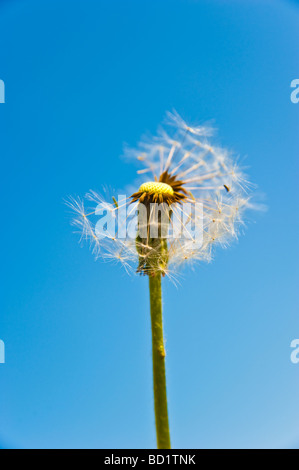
161	414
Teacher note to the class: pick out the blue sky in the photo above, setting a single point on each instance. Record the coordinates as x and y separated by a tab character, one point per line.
83	78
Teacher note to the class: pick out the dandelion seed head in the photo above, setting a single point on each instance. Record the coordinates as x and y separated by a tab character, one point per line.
187	170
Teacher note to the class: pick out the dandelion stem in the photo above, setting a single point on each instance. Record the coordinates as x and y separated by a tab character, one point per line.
159	377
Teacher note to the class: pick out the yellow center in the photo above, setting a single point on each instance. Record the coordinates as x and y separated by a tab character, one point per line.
153	187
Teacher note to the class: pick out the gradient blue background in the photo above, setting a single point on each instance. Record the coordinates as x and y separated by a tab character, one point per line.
82	78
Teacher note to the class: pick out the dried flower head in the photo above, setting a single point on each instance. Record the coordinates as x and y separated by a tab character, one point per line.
193	200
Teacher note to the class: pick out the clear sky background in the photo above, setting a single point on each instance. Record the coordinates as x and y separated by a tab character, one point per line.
82	78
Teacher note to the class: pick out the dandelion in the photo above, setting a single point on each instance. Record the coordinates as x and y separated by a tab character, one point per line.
191	198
